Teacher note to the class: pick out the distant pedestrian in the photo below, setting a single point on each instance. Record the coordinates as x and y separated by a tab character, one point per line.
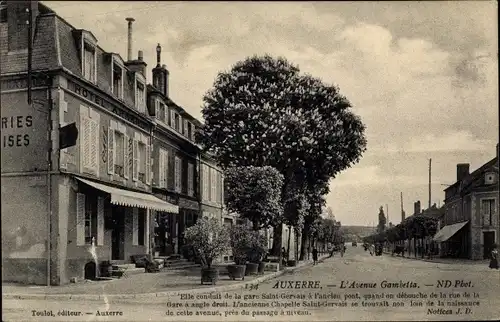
315	256
494	257
372	249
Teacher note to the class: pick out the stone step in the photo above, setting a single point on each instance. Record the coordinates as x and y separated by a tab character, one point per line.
178	264
124	266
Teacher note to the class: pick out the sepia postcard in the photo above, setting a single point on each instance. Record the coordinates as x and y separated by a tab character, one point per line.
249	161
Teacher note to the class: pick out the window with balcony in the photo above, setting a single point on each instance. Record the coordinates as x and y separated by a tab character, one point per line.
142	163
488	210
89	62
119	154
118	81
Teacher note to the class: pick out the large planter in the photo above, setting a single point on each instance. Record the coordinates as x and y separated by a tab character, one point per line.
236	271
209	275
262	267
252	269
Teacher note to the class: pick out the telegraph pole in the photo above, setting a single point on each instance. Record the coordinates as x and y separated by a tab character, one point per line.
430	168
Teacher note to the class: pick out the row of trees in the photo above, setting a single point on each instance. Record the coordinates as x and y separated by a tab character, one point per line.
414	227
280	136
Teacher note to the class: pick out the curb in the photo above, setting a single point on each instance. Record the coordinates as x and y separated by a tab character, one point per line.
155	294
471	263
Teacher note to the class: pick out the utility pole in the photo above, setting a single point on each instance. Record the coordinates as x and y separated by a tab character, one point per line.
387	213
402	209
29	22
430	169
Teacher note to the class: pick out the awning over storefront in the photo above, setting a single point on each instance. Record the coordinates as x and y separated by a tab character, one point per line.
448	231
127	198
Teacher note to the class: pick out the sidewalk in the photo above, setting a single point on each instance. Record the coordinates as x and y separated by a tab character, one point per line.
451	261
162	284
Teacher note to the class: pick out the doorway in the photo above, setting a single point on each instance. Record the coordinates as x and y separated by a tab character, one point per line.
118	233
488	241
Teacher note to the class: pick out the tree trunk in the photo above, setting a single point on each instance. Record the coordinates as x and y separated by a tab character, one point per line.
305	241
277	240
288	244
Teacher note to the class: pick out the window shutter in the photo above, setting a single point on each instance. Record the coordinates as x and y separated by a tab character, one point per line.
172	118
177	170
94	144
148	164
111	154
165	168
100	221
125	156
80	219
185	128
161	168
135	226
135	156
86	142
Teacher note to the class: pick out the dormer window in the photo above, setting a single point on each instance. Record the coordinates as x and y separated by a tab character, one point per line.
117	76
89	62
177	122
140	93
192	132
161	111
489	178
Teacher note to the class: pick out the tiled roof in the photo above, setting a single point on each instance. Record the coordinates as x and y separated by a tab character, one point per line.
44	48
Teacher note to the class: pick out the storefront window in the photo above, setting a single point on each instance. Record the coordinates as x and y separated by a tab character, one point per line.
90	220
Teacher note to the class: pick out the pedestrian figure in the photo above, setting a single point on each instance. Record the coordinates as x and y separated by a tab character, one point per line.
494	257
315	256
372	249
284	256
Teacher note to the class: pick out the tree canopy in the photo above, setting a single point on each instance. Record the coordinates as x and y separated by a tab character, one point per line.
264	112
255	194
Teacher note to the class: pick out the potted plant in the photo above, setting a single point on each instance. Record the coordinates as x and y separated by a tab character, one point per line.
209	239
240	242
255	253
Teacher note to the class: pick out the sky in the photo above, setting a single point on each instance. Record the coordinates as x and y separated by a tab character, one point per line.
423	77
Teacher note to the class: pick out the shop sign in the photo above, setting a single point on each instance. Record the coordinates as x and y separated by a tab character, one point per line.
104	103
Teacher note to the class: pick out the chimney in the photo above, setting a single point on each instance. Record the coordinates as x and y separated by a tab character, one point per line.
416	207
129	44
160	74
140	56
17	23
462	171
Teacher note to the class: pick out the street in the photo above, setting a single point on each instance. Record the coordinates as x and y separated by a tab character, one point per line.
356	269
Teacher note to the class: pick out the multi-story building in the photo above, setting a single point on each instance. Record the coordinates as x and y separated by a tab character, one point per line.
212	188
67	205
470	225
175	163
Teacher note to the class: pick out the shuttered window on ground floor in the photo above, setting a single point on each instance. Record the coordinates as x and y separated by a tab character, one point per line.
89	220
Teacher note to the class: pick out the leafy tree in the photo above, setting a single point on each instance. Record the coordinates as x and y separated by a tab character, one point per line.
255	194
209	239
263	112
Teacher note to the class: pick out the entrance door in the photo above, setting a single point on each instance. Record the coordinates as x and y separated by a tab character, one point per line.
489	240
118	233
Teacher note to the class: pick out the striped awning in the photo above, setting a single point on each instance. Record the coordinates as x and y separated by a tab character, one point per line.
448	231
128	198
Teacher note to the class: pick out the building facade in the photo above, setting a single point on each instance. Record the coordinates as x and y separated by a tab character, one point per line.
470	225
67	206
175	164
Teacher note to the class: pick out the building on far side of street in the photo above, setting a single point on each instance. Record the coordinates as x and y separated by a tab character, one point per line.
470	225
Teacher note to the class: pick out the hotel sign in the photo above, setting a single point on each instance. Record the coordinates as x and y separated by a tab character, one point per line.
98	99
